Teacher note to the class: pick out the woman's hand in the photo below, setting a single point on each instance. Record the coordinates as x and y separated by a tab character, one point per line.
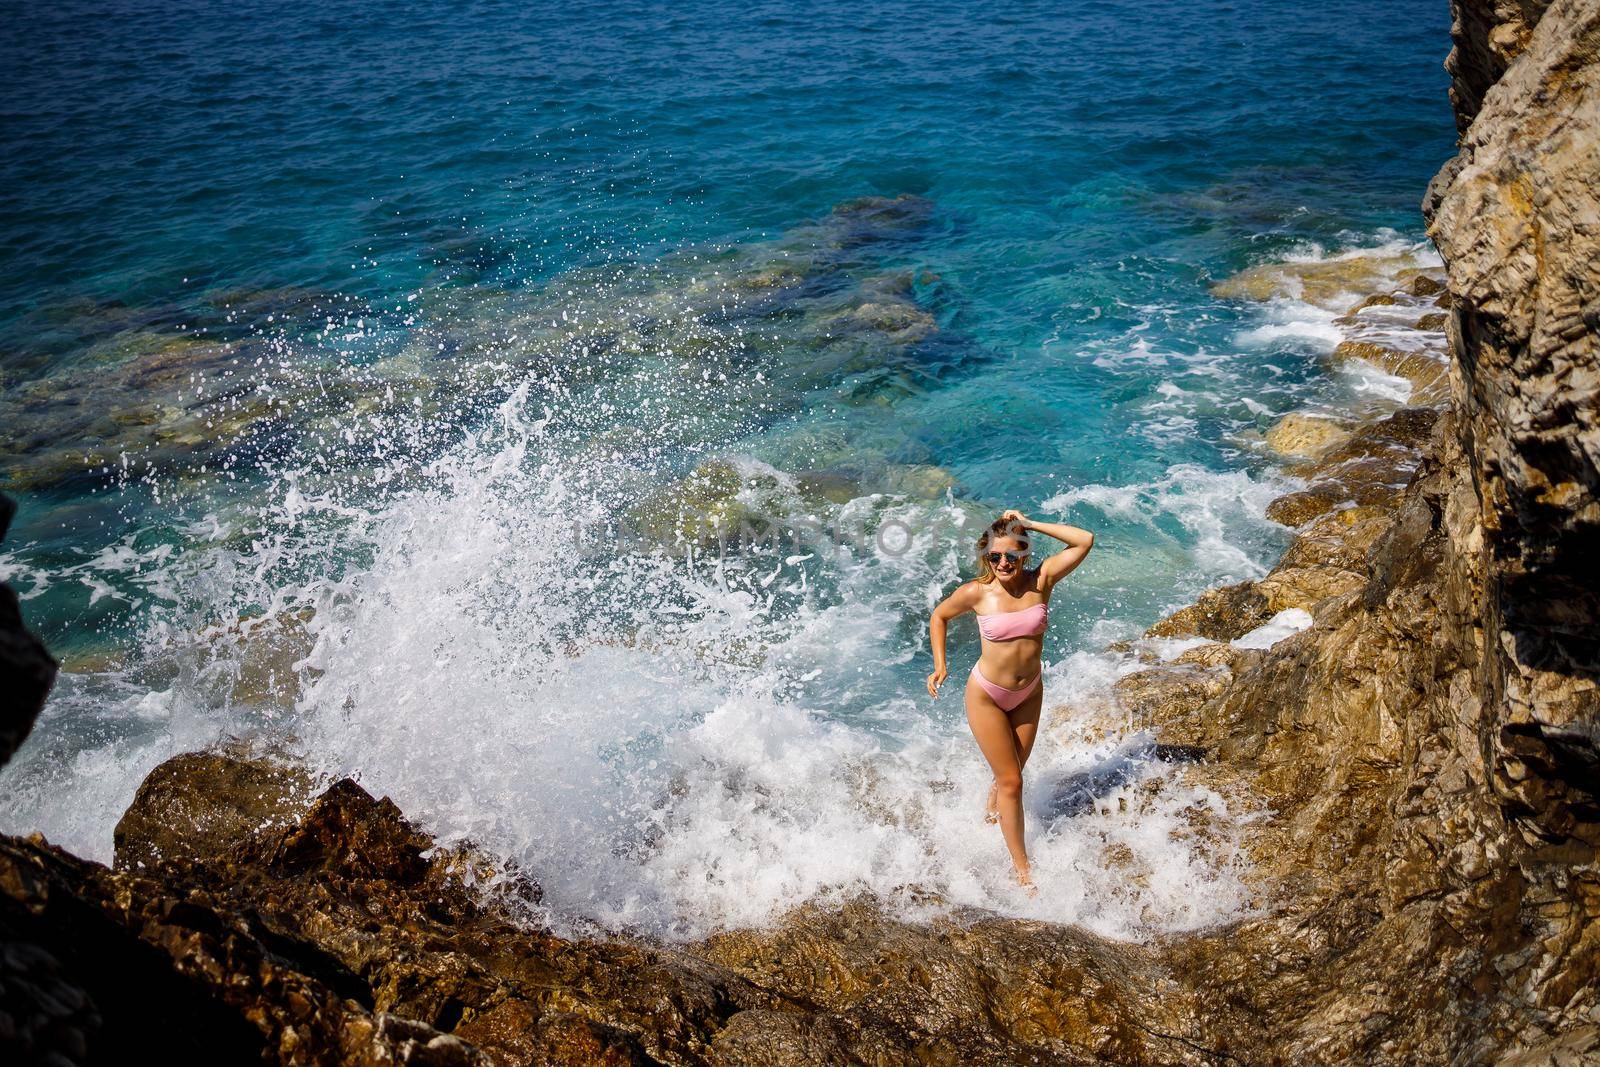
1013	515
935	680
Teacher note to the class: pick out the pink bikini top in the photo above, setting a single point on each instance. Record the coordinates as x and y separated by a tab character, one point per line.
1005	625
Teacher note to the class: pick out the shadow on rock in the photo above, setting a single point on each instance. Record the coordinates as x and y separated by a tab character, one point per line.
1079	793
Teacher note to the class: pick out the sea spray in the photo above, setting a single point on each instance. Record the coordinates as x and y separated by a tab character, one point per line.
642	730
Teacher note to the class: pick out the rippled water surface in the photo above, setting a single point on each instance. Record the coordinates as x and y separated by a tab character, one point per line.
365	369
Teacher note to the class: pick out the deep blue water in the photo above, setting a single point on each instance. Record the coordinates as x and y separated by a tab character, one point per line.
1090	171
459	177
270	145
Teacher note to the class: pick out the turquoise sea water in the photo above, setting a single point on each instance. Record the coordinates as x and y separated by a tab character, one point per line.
320	332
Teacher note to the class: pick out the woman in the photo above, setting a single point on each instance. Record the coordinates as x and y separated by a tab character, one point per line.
1004	693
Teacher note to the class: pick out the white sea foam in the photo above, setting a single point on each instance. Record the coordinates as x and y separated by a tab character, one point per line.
1379	244
1284	624
1319	325
1293	321
642	731
1222	512
1368	380
671	781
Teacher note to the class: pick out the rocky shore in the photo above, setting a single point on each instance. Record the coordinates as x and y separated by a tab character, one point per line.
1426	736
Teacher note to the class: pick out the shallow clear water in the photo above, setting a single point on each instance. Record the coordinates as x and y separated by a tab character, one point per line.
333	345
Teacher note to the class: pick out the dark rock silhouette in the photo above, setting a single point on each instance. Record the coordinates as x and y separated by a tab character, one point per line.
27	670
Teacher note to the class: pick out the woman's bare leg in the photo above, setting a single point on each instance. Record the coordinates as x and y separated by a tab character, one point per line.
1025	723
997	740
1024	728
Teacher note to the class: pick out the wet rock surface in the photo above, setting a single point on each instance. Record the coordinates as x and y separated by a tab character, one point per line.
328	929
346	936
1307	436
200	804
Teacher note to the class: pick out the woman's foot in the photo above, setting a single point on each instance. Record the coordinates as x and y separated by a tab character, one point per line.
991	810
1025	880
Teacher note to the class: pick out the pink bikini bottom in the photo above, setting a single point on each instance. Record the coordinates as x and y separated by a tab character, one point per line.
1006	698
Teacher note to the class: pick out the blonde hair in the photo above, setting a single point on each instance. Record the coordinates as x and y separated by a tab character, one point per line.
1001	527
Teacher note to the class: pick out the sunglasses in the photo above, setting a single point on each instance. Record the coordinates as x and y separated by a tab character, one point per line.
1014	557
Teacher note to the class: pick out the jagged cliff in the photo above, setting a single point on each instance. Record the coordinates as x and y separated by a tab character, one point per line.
1431	743
1517	218
1429	749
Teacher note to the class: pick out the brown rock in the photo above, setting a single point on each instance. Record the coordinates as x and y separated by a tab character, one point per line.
346	937
966	990
1375	300
1306	587
1425	373
346	832
1487	36
203	804
1297	509
1369	469
80	986
1216	654
1299	434
1219	615
1516	227
1385	454
1422	763
1170	696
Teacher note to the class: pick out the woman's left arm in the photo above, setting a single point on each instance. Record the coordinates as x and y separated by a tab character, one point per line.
1061	564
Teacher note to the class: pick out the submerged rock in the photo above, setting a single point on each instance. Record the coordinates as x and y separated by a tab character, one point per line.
1298	434
731	338
1324	282
715	503
902	323
869	219
1426	373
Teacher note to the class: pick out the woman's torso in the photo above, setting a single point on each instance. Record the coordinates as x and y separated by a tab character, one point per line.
1012	660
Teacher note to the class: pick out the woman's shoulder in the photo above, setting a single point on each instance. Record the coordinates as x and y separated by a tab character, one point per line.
964	596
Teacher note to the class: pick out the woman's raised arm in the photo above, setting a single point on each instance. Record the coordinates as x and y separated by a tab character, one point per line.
1058	566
